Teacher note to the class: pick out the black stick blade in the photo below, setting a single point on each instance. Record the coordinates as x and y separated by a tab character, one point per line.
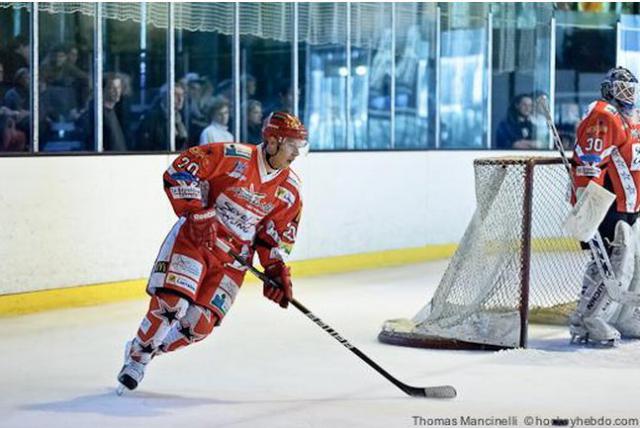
443	391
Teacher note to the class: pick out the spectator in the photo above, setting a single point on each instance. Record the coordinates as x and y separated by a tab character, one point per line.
540	127
52	71
516	131
4	84
11	138
285	99
82	80
254	122
16	56
112	135
217	131
250	86
195	114
225	89
17	98
153	128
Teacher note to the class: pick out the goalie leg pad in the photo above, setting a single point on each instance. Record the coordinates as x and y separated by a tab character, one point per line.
165	310
197	324
596	310
627	321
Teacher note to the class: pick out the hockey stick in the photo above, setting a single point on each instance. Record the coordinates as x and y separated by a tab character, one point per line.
442	391
596	245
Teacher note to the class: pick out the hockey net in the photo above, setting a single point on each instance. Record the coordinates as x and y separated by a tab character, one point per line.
515	263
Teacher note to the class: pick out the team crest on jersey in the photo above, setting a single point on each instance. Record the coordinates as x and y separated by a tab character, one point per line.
285	196
237	151
238	171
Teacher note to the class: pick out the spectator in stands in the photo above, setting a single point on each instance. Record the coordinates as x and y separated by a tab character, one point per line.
284	102
217	131
113	138
254	122
11	138
196	119
153	128
516	130
538	118
225	89
250	86
16	56
82	80
4	84
17	98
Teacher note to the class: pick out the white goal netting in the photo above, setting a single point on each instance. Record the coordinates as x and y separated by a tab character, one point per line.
514	264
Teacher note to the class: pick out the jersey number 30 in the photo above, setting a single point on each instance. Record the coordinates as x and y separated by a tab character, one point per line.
594	144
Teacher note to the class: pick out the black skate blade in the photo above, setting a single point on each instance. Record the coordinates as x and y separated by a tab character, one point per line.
590	343
128	382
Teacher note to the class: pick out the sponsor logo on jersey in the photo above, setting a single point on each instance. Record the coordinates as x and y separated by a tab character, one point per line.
588	171
294	181
237	151
182	282
225	295
186	266
184	177
237	218
291	232
286	196
160	267
254	198
272	232
238	171
185	192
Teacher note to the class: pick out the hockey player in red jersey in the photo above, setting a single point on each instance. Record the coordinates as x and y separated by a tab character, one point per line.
245	196
607	152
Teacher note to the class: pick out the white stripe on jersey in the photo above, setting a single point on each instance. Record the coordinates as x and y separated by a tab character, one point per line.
626	179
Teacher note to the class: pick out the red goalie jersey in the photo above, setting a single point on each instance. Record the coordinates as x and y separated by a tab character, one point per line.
607	151
256	211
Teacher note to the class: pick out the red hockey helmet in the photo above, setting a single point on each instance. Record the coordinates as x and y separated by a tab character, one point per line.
281	124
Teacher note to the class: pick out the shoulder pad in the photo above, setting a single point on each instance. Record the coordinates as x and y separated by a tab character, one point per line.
611	109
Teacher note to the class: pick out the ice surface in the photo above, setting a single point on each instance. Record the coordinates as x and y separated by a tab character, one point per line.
266	367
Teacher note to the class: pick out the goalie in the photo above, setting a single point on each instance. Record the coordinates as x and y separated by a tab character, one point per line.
607	154
244	196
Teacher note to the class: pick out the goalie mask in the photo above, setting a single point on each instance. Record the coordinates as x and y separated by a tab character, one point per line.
620	86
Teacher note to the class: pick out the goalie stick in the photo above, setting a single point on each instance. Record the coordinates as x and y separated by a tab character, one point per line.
596	245
442	391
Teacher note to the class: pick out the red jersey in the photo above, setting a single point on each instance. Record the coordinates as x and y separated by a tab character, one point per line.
607	151
257	209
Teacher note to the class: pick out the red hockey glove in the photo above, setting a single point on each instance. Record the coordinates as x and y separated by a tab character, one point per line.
280	274
202	228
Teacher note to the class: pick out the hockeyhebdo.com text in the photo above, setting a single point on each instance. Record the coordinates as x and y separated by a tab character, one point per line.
520	421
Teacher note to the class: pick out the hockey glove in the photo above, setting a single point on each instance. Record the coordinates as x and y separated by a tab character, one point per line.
281	275
202	228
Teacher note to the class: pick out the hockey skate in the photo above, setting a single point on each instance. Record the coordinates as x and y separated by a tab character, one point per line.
592	332
131	373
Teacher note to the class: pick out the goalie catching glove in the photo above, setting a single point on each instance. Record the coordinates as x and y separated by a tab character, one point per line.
280	274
